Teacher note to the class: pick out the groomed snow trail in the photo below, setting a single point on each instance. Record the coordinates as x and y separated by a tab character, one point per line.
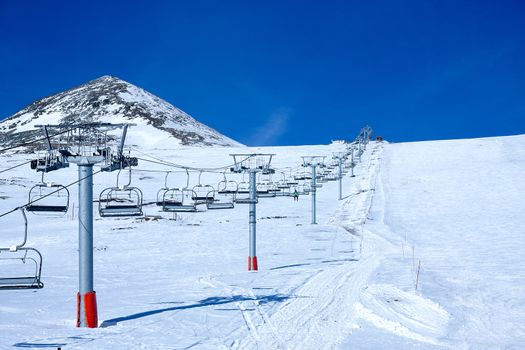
323	311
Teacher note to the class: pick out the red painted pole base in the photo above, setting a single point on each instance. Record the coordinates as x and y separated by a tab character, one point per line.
88	313
252	263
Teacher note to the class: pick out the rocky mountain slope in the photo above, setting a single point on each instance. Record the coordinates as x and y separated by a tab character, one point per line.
112	100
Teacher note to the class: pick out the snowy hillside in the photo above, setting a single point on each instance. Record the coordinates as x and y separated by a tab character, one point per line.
112	100
425	250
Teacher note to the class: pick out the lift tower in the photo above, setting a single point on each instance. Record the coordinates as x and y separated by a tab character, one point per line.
313	162
88	144
341	157
252	163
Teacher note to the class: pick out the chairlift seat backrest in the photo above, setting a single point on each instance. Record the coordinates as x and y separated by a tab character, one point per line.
227	187
20	266
243	188
47	198
179	200
21	269
120	202
221	201
203	193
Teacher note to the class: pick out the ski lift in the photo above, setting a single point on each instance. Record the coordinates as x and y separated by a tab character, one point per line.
284	192
120	201
52	159
274	188
292	181
332	177
321	179
263	190
243	193
203	193
48	199
243	187
227	187
283	184
179	200
304	188
160	193
303	175
221	201
20	266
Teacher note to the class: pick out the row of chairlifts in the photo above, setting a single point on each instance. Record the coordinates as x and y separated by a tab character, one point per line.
186	199
21	265
127	200
124	201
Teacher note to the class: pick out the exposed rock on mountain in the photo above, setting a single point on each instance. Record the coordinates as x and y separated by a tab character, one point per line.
112	100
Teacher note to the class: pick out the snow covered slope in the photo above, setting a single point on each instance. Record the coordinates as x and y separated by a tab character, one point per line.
457	208
451	210
112	100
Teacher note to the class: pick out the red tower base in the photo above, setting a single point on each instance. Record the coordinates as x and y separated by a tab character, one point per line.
89	313
252	263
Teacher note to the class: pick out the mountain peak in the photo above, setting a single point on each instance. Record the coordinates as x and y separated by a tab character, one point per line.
110	99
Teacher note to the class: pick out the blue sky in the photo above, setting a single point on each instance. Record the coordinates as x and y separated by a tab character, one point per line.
284	72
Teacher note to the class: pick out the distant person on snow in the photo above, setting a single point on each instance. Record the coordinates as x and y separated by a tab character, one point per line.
295	196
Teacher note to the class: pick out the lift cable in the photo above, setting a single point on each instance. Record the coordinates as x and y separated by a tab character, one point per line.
167	163
34	141
13	167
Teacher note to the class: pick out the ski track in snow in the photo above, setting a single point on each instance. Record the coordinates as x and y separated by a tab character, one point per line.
323	312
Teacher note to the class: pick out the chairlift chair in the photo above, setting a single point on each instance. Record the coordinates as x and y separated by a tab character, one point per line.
160	193
120	202
20	266
292	182
285	192
299	176
283	185
332	177
179	200
307	187
221	201
303	175
243	187
243	193
273	188
227	187
203	193
321	179
263	190
48	199
20	269
160	196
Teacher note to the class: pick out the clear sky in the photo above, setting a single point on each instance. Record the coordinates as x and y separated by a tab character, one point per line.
284	72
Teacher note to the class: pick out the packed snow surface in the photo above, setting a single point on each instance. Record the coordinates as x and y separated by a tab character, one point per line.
425	250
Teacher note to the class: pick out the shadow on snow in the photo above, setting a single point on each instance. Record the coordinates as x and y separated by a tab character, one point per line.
203	303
